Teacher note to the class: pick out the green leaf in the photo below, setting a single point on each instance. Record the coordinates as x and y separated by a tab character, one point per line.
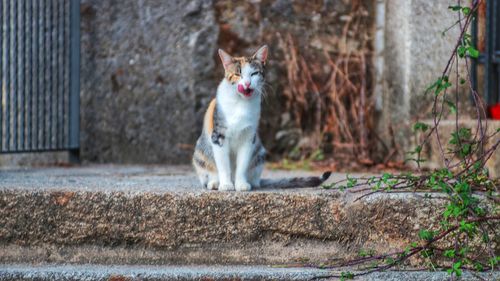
466	10
318	155
418	149
442	84
462	81
457	265
462	135
461	51
455	8
452	106
467	227
449	253
328	186
452	210
494	261
420	126
366	253
427	253
467	39
351	182
426	235
344	275
463	251
466	149
478	266
433	86
473	52
456	269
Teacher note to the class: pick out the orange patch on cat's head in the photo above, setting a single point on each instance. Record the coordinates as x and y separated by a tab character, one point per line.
233	65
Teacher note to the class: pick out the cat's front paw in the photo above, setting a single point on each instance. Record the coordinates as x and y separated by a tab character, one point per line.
226	187
212	185
243	186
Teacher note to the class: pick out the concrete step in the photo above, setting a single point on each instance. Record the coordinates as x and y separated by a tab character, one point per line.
199	272
159	216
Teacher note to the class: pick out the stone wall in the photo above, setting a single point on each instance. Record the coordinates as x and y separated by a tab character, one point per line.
415	55
147	69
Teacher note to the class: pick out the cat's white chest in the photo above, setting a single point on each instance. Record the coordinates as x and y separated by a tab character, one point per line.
241	116
241	119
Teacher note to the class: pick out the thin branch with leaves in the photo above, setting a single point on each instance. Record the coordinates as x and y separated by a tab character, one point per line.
470	218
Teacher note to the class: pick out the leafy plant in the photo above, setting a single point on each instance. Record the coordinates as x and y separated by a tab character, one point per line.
461	240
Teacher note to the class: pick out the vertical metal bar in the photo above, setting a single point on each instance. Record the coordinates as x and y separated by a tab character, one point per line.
54	70
495	95
30	76
50	49
22	77
16	70
44	96
74	97
56	77
39	90
2	85
7	74
488	59
67	20
65	125
60	67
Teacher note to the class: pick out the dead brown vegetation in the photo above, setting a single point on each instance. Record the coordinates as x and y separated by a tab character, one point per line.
330	93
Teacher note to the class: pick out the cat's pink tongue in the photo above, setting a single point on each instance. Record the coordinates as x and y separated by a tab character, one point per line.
241	89
247	93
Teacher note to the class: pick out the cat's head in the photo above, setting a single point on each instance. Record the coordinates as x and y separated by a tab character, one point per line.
245	74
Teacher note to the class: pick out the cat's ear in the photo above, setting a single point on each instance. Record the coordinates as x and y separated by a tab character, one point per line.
226	58
261	54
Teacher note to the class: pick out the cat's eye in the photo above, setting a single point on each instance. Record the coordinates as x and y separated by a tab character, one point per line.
254	73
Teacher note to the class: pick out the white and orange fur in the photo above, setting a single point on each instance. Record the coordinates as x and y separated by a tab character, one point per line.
229	154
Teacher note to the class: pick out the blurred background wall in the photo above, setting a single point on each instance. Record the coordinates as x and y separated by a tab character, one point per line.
340	74
149	68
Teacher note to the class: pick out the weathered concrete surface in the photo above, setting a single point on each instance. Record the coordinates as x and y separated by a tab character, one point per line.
34	159
129	273
157	215
125	273
146	69
415	55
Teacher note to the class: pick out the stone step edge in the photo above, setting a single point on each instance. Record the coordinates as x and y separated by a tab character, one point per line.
201	272
266	228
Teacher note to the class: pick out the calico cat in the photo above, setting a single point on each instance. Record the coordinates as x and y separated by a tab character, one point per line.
229	154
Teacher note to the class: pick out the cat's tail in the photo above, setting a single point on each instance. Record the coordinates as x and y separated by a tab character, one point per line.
297	182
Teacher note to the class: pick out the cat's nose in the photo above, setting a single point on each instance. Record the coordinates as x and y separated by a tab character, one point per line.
247	84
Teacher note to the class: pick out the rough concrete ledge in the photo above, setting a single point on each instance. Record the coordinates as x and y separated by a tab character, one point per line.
129	273
158	215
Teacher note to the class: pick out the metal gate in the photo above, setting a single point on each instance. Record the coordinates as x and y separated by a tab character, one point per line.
486	34
39	70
